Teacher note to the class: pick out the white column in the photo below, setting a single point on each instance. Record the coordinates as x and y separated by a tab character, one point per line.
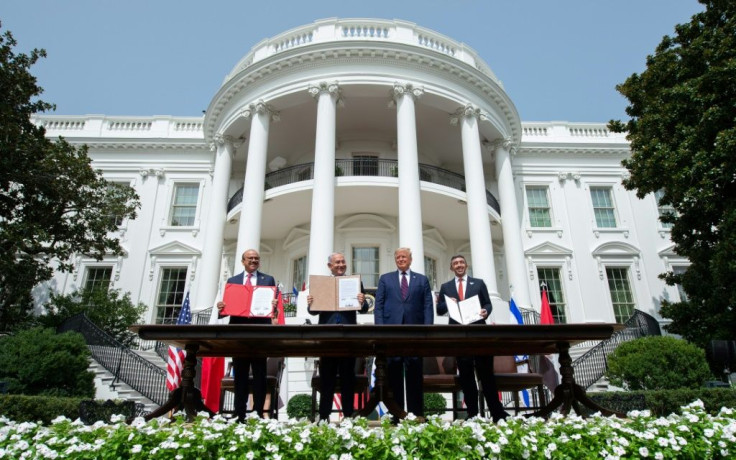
510	224
209	271
479	225
410	204
249	229
322	233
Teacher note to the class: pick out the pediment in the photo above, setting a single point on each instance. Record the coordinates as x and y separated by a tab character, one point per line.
616	248
175	248
669	252
296	236
548	249
434	236
369	222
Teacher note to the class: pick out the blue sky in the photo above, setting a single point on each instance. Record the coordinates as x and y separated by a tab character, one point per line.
559	60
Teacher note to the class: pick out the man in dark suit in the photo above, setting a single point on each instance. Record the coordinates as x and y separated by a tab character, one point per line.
404	297
251	260
459	288
329	366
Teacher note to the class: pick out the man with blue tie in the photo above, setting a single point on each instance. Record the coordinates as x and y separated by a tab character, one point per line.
329	366
459	288
404	297
251	260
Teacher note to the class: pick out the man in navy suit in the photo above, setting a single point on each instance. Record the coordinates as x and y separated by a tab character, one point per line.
459	288
251	260
329	366
404	297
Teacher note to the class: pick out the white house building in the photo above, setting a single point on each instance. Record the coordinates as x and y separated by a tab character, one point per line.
361	136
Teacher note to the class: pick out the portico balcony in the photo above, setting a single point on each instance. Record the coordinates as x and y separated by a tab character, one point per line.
363	167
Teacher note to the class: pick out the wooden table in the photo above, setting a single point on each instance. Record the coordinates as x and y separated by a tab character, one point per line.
381	341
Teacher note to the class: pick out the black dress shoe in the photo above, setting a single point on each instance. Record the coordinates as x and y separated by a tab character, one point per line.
500	416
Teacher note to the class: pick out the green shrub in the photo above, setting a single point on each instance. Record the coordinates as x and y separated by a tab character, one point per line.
434	404
110	311
299	406
658	363
44	409
40	362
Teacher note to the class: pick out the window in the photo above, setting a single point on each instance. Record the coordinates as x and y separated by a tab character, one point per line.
663	209
365	264
184	208
605	215
679	270
98	278
551	277
621	295
430	270
170	294
299	275
539	212
117	219
365	165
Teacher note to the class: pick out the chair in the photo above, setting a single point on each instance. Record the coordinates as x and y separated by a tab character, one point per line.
274	372
440	376
508	379
361	385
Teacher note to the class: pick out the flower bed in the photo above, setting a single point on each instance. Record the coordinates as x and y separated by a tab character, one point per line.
694	434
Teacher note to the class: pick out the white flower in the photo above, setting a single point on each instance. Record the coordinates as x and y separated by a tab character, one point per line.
299	447
708	433
136	448
644	452
659	456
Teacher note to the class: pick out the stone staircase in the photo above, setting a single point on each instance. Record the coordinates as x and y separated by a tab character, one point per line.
107	388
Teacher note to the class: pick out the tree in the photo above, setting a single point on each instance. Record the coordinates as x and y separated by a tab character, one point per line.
53	204
658	363
683	139
110	311
40	362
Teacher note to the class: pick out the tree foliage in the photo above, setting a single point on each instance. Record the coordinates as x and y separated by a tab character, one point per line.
38	361
658	363
683	139
53	204
108	309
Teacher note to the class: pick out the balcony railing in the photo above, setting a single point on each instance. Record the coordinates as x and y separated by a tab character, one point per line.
363	167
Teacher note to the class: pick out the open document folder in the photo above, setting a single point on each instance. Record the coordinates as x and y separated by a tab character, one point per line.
465	311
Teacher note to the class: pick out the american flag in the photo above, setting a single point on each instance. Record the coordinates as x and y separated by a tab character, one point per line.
175	363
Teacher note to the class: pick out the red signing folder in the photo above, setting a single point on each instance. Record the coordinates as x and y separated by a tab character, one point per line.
248	301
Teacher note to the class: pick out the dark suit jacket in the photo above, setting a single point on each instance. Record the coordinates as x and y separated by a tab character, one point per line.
390	308
340	317
262	279
475	286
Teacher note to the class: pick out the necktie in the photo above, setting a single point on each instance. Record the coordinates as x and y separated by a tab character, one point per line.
404	286
460	293
247	279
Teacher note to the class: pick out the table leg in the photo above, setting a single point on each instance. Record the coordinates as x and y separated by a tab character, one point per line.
381	391
187	396
569	395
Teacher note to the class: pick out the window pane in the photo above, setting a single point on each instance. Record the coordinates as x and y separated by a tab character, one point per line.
663	209
365	165
430	270
184	208
551	277
365	264
621	295
170	294
299	274
539	212
679	270
605	215
98	278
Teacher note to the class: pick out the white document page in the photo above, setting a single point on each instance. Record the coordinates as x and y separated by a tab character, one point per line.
260	304
470	309
347	292
453	309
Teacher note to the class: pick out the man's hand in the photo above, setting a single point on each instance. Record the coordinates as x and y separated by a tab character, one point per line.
220	306
483	313
309	300
361	298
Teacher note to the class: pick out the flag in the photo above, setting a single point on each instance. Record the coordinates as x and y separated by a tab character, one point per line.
337	401
280	319
380	408
522	361
213	369
548	366
175	363
547	317
295	295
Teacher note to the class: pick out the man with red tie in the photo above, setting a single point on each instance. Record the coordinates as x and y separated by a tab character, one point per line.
251	260
459	288
404	297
